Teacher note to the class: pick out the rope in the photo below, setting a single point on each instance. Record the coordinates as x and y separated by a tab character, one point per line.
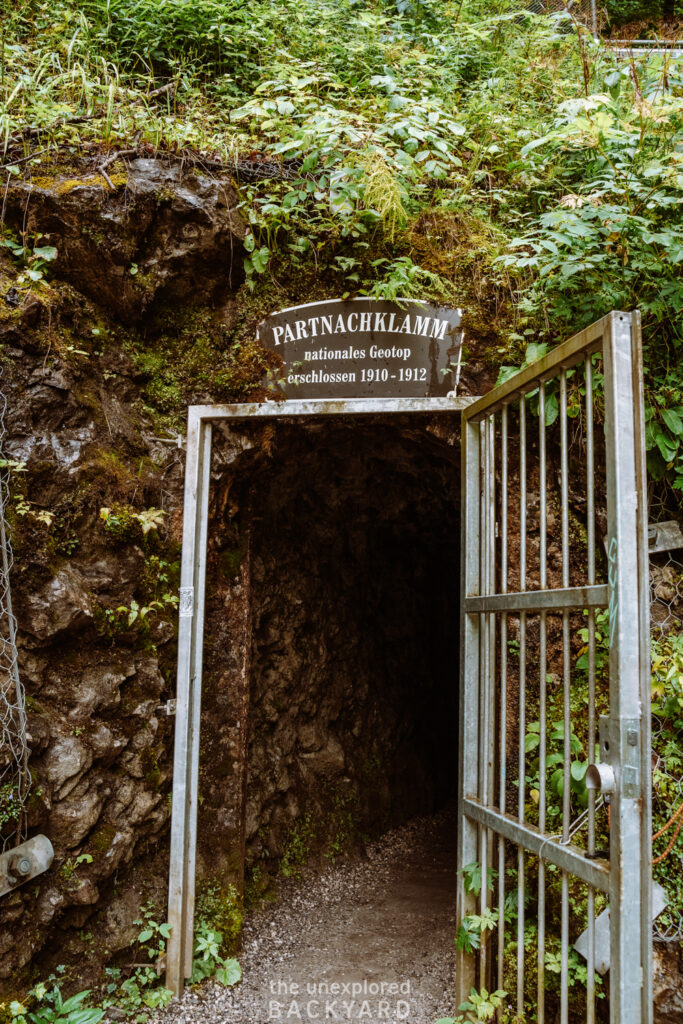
676	816
15	778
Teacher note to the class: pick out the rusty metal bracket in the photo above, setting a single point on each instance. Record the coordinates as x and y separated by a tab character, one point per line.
24	862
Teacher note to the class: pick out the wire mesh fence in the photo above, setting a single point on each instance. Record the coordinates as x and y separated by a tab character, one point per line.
586	11
666	593
14	774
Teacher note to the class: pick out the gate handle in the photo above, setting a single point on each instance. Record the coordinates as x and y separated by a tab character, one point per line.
601	777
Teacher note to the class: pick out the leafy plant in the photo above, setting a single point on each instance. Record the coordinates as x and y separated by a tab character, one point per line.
11	804
554	765
134	614
142	991
473	928
121	521
482	1005
50	1008
25	508
208	961
472	876
33	259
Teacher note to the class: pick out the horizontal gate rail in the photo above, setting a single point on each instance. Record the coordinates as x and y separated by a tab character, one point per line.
329	407
566	856
557	600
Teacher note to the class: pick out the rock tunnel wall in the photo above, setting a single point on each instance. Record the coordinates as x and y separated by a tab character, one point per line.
353	541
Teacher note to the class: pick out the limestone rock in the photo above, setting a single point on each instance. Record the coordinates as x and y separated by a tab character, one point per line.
162	231
65	762
73	818
62	604
98	689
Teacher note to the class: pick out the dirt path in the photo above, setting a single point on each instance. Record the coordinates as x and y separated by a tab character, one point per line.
365	941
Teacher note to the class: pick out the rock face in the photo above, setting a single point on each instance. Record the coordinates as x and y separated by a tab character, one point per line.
668	983
97	681
161	233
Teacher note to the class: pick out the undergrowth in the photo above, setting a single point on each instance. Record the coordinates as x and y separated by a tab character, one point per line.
390	117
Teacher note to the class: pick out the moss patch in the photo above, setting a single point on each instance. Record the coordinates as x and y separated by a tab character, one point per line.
221	907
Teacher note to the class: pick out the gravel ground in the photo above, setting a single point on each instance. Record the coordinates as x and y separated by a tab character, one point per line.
379	928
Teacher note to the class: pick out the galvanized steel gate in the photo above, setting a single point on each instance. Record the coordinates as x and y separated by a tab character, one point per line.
181	884
525	599
554	655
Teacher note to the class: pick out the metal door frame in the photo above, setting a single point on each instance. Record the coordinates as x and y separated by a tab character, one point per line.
181	893
627	876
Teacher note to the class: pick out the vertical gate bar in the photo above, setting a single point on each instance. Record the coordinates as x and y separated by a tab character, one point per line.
590	545
485	690
196	688
491	687
502	752
522	705
492	532
626	691
175	957
644	630
566	711
467	843
483	678
540	961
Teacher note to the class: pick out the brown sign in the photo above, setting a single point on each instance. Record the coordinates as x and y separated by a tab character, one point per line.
365	348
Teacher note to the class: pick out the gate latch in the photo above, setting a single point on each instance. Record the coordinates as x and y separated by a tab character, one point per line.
620	746
601	778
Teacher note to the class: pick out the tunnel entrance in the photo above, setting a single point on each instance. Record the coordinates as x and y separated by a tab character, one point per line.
319	590
353	670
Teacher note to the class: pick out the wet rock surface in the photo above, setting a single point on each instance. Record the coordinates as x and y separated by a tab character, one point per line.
386	920
99	737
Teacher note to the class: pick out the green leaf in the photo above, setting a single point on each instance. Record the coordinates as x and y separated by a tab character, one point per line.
148	933
46	252
673	421
667	445
535	351
90	1016
230	973
74	1001
557	781
472	876
504	374
552	409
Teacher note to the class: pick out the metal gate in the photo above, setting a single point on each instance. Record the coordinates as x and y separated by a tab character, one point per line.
554	721
201	419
